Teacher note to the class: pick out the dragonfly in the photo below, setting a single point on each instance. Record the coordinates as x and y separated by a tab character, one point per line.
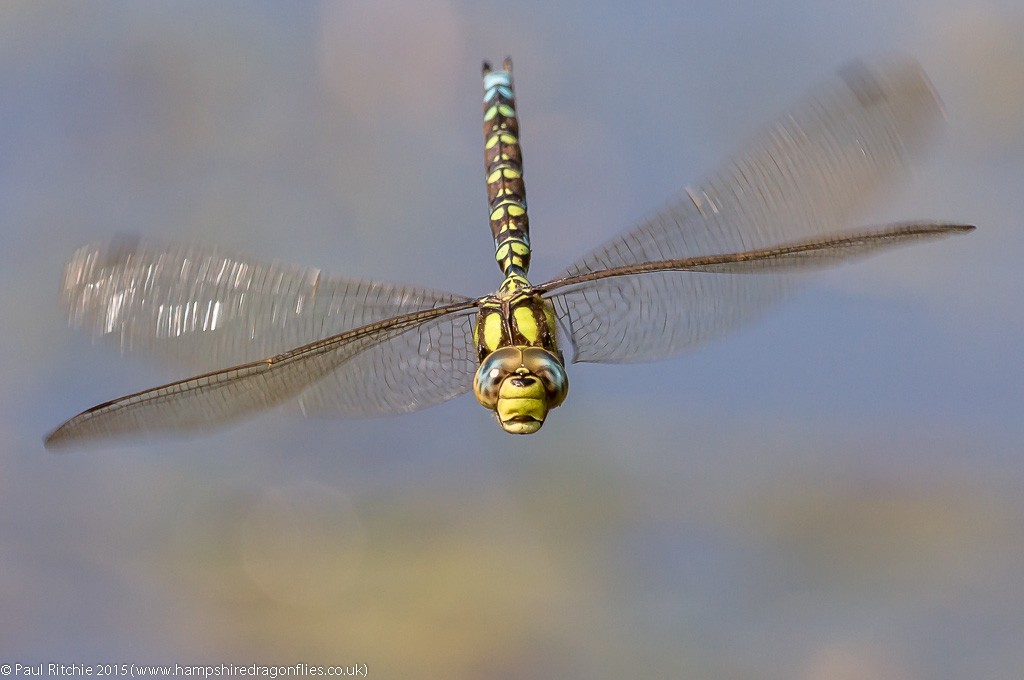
716	255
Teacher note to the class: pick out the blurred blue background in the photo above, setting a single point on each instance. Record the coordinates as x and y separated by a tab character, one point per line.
833	492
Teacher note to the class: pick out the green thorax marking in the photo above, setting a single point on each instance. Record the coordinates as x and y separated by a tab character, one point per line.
515	316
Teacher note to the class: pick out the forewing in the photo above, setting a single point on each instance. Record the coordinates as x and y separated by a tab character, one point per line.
223	396
678	304
433	362
803	177
203	308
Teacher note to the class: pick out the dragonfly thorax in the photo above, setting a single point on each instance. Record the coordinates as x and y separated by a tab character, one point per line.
514	316
521	375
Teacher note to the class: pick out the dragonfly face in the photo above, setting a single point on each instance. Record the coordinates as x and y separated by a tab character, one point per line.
521	384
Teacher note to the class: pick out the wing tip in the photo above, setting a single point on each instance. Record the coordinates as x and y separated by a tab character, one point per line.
949	229
58	441
898	81
877	78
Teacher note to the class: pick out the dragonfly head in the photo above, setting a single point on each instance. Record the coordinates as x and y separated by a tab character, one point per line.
521	384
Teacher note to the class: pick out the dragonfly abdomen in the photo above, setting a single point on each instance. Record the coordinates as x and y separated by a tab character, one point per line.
503	161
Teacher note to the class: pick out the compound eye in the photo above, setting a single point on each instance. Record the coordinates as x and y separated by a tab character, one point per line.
547	367
493	370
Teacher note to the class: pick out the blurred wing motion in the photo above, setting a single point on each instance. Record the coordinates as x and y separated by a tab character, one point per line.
201	308
799	182
401	348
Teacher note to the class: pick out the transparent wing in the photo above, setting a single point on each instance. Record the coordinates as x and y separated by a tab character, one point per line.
430	364
402	383
201	308
803	177
684	303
